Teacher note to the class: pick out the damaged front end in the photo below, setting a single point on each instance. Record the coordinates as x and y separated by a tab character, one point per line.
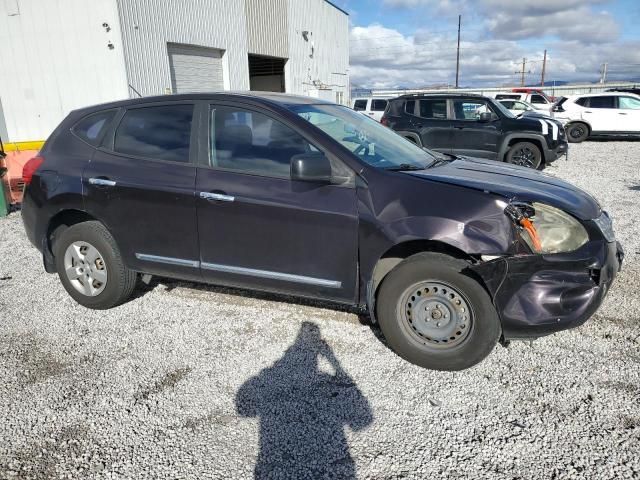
558	275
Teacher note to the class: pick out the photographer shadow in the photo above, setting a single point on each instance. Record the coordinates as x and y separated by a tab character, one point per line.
303	411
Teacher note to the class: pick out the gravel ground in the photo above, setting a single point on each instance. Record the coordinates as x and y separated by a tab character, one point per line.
187	381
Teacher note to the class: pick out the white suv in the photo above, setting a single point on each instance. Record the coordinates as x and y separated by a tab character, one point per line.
599	114
537	100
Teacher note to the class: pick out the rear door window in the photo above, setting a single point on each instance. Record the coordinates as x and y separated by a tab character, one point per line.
605	101
91	128
159	133
433	108
378	105
360	105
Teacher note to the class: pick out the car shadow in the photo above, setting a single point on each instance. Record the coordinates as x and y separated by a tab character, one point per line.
303	411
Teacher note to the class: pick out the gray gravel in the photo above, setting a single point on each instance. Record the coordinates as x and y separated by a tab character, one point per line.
187	381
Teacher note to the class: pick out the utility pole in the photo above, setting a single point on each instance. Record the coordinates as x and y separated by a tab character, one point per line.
603	78
544	68
522	72
458	53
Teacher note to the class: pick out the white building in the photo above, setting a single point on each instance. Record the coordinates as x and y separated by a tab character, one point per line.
58	55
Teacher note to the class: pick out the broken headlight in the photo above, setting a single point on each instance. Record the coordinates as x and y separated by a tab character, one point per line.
547	229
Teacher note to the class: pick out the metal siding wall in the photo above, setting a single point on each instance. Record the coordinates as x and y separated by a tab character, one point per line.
329	28
148	25
267	27
47	70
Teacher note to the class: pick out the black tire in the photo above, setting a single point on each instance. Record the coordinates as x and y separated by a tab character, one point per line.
120	281
577	132
483	323
525	154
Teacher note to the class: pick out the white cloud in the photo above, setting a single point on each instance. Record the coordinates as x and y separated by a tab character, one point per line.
496	35
384	58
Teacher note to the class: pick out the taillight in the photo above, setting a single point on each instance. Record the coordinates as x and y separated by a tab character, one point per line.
384	121
30	167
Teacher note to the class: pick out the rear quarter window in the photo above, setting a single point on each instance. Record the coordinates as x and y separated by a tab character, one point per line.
91	127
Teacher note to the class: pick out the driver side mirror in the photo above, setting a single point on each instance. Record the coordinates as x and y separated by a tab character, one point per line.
485	117
311	167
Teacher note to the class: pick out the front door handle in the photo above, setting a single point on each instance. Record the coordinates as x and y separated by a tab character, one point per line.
217	196
103	182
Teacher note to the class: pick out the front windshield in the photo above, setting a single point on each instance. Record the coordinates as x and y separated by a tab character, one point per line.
370	141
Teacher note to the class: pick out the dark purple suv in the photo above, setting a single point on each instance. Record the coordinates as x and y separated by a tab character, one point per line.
297	196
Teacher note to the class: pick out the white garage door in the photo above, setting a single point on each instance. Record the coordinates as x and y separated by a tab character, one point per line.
195	69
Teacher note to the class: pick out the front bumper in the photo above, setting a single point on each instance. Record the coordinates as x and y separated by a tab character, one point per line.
536	295
559	150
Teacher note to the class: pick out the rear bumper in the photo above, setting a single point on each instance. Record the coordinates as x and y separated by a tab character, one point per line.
536	295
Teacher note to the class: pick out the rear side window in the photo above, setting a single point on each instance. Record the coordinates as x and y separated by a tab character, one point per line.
602	102
539	99
378	105
580	101
436	109
90	128
158	133
360	105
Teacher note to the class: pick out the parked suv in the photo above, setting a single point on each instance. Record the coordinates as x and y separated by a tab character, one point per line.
298	196
476	126
538	100
599	114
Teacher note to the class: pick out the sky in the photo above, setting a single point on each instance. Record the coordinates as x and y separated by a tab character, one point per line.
412	43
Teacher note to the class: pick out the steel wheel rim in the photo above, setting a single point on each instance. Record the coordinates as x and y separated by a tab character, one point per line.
436	315
524	157
85	268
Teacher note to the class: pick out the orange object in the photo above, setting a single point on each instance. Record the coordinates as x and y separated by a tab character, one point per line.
15	162
531	229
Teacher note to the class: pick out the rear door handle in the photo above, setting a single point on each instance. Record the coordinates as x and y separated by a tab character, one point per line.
621	113
217	196
103	182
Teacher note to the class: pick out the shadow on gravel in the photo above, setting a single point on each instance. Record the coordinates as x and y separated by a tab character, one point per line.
303	411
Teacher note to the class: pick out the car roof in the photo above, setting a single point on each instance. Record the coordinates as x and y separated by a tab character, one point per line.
443	94
272	98
602	94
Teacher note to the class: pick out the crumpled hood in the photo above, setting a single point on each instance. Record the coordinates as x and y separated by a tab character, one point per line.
514	183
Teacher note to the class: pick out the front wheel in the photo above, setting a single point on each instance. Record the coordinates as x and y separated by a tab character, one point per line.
434	315
90	266
525	154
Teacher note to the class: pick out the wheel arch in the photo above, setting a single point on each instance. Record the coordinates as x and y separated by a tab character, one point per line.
394	255
538	140
411	136
58	223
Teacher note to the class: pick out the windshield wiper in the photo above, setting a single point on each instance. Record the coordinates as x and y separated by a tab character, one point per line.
404	167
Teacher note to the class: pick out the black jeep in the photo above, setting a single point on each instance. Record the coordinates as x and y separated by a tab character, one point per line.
476	126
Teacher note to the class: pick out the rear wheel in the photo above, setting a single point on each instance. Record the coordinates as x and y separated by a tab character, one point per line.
525	154
577	132
90	266
434	315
